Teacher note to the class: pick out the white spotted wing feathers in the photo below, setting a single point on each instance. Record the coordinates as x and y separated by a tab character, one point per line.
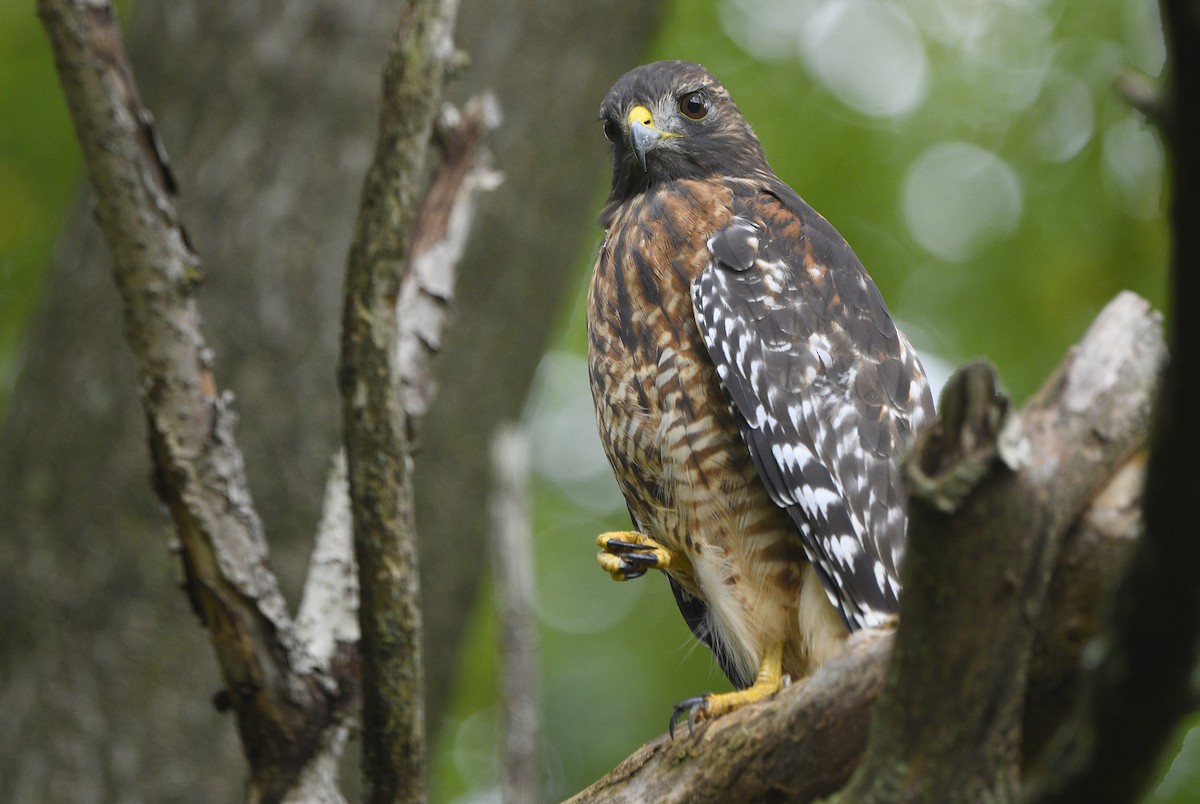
826	390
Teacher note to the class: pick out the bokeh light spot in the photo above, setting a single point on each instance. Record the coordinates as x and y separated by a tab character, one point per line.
1143	30
564	445
1133	162
576	596
1064	119
767	28
869	54
958	197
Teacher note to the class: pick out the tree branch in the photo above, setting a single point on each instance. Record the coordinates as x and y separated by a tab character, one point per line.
798	746
376	424
1093	560
292	686
281	713
328	615
442	229
806	743
512	565
328	624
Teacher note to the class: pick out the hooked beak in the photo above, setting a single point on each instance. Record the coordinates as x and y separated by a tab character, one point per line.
643	137
642	133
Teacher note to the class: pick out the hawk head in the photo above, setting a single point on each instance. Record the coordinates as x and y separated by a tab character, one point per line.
672	120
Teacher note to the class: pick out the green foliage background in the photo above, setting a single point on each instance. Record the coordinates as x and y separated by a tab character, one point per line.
39	168
1056	181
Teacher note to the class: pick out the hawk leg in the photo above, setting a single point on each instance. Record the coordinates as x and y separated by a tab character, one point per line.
768	682
626	555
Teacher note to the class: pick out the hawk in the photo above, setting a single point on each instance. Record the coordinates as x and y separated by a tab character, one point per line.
752	393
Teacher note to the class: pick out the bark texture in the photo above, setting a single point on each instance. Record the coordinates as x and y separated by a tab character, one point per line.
199	473
376	424
976	572
805	743
294	692
799	746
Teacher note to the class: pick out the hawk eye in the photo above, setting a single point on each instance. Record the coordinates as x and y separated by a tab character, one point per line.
693	105
612	130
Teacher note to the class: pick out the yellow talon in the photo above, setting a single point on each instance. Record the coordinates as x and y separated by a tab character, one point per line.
768	682
628	554
610	564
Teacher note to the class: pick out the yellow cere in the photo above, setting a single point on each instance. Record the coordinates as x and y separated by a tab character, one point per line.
640	114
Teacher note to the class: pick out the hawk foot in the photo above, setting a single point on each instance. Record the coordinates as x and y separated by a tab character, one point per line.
706	707
626	555
695	709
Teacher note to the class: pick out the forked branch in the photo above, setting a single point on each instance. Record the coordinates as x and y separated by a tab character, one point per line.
293	687
199	471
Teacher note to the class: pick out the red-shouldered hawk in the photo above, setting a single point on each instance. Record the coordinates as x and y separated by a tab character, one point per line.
752	392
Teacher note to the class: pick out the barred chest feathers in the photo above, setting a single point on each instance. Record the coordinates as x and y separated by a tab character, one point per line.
668	429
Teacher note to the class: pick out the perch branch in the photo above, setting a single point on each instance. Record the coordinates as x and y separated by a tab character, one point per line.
976	576
807	742
800	745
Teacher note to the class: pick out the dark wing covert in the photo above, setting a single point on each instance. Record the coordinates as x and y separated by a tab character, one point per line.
825	389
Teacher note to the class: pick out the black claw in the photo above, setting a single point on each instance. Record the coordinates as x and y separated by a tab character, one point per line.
693	707
618	546
632	573
641	559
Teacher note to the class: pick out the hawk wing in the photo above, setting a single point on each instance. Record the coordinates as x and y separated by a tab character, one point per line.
825	389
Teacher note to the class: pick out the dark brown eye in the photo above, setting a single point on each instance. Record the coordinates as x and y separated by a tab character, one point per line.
612	130
693	105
